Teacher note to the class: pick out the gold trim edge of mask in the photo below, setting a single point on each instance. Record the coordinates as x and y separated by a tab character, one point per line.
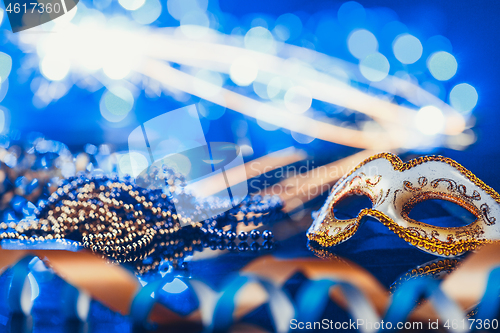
433	245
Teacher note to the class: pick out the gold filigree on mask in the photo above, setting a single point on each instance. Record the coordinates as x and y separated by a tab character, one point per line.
395	187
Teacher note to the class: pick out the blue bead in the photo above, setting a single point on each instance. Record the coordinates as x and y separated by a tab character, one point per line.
267	235
255	246
243	246
221	245
255	234
231	235
231	246
267	245
243	235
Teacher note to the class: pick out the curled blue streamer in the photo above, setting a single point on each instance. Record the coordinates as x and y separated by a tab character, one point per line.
143	302
490	303
70	296
20	272
222	318
409	293
313	297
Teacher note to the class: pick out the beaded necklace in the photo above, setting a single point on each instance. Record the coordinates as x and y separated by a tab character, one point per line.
115	218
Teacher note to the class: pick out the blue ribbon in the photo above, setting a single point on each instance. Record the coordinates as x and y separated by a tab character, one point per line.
20	272
411	291
312	299
490	303
222	318
143	302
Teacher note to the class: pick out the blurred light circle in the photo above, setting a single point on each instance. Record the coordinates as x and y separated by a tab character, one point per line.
147	13
302	138
179	162
194	24
298	99
116	104
259	39
4	87
265	119
429	120
117	68
211	111
101	4
288	27
362	43
132	163
3	116
244	71
438	43
213	78
435	87
131	4
351	14
178	8
5	66
260	89
463	97
392	29
407	49
442	65
374	67
274	87
55	67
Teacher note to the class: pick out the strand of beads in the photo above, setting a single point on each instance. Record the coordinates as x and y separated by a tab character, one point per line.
126	223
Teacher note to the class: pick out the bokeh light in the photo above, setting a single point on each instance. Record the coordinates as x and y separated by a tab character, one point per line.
301	138
179	8
194	24
55	67
305	61
208	76
429	120
442	65
147	13
438	43
132	161
131	4
274	87
463	97
211	111
351	14
259	39
5	66
3	119
298	99
375	67
362	43
116	103
288	27
407	49
244	71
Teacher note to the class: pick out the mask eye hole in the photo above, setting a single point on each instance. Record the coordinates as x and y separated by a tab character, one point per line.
349	206
441	213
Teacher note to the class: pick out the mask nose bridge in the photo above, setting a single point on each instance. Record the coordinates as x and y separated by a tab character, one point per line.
372	212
